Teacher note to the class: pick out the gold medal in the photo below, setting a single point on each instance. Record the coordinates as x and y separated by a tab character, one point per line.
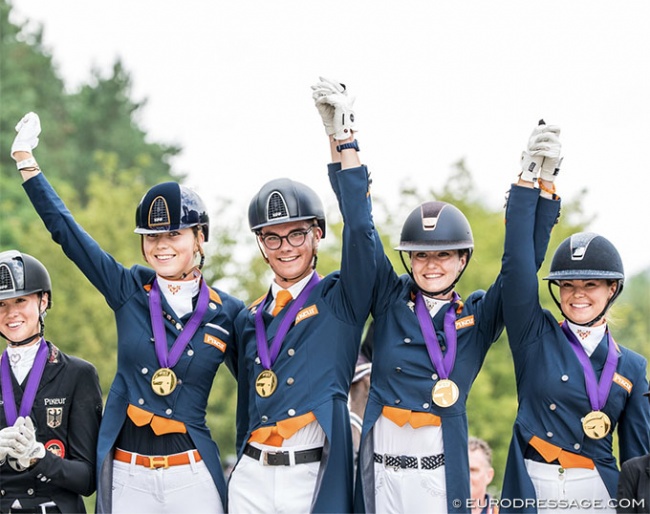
445	393
163	381
266	383
596	424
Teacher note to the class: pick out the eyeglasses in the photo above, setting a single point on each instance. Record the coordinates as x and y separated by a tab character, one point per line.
295	238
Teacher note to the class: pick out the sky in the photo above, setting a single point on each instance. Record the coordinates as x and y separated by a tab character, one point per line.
435	82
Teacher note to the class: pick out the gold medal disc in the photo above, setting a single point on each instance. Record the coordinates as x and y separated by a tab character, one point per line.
266	383
163	382
445	393
596	424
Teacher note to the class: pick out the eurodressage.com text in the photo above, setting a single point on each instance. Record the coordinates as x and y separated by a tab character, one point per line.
519	503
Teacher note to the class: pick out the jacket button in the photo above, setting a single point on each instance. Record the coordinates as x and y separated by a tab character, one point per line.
290	381
145	371
576	446
407	340
168	412
549	434
398	401
565	378
425	405
141	401
30	491
212	305
264	419
552	406
291	412
190	352
291	352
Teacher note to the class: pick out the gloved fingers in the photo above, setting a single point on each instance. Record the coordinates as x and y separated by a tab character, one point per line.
547	147
17	448
31	121
29	425
331	84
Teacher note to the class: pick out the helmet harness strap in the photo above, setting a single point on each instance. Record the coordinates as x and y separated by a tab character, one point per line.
597	318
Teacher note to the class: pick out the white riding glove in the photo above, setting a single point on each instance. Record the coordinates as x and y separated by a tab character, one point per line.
8	440
542	154
23	446
335	108
28	128
551	149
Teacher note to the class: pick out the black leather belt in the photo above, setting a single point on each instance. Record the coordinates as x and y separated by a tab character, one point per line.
280	458
429	462
36	510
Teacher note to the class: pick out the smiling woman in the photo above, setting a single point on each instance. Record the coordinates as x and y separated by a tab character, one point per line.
51	402
575	384
174	331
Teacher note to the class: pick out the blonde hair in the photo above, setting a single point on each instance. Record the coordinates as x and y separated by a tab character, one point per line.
474	443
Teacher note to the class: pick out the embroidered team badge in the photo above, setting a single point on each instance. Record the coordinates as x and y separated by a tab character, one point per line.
214	341
623	382
467	321
54	416
56	447
307	312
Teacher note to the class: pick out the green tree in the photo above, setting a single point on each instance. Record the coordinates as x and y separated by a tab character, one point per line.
78	128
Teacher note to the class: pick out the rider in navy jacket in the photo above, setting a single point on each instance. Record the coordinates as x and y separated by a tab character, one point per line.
553	434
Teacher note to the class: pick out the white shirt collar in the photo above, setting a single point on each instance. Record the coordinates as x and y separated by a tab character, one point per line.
295	289
434	305
589	337
21	359
179	293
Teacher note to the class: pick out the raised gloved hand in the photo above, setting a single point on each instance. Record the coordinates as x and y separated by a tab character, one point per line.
552	150
542	155
28	128
335	108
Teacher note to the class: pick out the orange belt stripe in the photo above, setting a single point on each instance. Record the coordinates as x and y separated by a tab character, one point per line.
161	461
550	452
159	425
276	434
417	419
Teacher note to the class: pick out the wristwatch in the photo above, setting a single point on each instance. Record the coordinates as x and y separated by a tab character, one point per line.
353	144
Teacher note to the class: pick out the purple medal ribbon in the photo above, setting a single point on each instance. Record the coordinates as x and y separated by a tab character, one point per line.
166	358
597	391
267	357
30	388
444	364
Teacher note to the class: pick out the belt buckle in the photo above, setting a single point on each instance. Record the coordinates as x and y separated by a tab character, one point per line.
265	456
161	461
